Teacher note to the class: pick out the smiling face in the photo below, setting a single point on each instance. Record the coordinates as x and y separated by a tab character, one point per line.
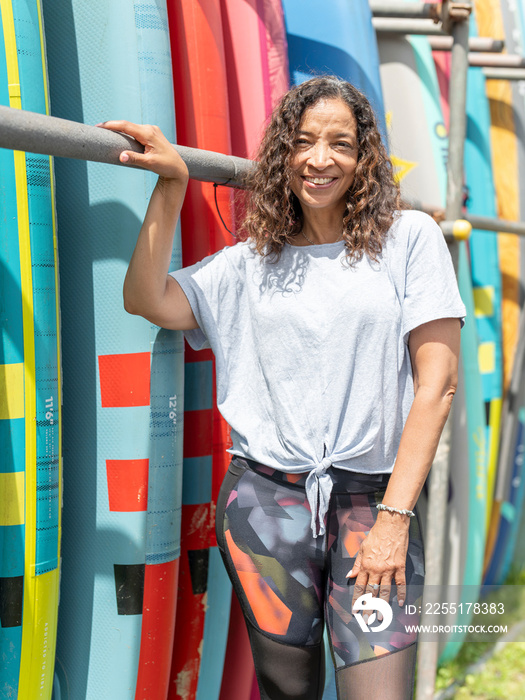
325	156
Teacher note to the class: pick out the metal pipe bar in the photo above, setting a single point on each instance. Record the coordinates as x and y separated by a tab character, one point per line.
504	73
476	44
485	223
405	9
438	491
390	25
458	120
37	133
481	223
439	40
491	60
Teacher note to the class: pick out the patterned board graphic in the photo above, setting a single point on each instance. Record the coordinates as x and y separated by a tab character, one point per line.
30	398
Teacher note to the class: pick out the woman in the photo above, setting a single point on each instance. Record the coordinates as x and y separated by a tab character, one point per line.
335	327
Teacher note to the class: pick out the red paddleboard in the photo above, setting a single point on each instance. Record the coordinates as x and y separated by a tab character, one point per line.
199	75
257	75
257	67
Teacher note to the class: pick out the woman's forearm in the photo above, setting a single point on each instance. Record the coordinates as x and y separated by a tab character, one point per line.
434	351
145	283
418	446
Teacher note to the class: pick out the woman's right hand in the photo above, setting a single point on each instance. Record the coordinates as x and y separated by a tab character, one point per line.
159	155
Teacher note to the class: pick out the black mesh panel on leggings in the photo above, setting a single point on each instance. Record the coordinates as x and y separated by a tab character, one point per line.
388	677
286	672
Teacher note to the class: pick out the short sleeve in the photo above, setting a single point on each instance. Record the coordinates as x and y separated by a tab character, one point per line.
208	288
431	289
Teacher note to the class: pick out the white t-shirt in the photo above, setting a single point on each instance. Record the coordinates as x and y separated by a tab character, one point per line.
313	368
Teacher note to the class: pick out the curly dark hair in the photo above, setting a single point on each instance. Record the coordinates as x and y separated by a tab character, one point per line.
273	213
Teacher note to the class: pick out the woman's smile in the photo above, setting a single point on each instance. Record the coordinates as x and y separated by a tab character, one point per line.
317	182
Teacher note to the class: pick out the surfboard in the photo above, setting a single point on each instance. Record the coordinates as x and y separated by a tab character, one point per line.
508	494
335	38
199	77
417	156
257	76
512	452
123	383
257	68
412	98
506	177
30	381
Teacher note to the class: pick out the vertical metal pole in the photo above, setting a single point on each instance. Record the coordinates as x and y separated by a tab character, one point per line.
437	503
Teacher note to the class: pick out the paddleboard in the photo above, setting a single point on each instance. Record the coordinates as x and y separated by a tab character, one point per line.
508	494
123	383
257	77
484	260
30	382
511	460
257	68
335	38
199	76
506	178
418	156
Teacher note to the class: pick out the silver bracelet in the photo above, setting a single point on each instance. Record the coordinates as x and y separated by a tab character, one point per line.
391	509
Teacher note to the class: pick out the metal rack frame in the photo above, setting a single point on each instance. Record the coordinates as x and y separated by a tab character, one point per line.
27	131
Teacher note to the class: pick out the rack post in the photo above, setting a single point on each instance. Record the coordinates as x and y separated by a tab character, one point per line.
456	21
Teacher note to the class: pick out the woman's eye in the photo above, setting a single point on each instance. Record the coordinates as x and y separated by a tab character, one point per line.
301	142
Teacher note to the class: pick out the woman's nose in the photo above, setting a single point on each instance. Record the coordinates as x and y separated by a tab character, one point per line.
319	156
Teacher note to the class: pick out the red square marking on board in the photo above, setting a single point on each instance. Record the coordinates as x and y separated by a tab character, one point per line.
198	433
125	379
127	484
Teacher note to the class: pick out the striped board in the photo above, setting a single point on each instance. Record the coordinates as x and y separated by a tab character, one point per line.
123	377
30	383
199	78
412	98
338	38
489	19
512	452
508	494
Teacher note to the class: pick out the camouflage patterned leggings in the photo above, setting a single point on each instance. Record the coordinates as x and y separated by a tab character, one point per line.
289	583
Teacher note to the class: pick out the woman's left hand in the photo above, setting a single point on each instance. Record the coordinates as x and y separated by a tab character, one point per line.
381	558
